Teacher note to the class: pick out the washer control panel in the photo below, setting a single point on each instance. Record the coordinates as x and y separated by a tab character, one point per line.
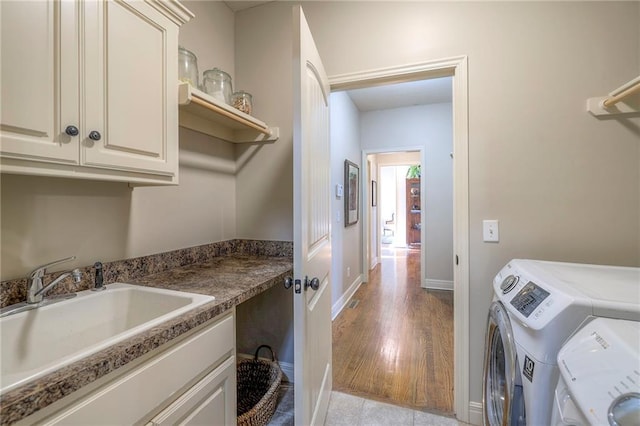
532	294
529	298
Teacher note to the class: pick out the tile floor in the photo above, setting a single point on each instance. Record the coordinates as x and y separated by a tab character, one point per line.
352	410
284	413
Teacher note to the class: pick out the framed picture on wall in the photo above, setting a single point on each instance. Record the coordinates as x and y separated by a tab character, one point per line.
351	193
374	193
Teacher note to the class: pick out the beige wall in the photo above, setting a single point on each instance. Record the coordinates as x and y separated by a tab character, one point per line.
45	219
564	185
265	172
210	35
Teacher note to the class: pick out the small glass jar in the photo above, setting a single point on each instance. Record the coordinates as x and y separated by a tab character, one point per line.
217	83
188	67
243	101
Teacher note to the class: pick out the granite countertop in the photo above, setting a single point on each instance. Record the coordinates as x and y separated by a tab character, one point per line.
231	279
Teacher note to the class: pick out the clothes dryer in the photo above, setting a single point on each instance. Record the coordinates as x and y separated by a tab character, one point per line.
537	305
599	380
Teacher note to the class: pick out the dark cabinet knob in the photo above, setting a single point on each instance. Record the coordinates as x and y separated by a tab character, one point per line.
94	136
71	131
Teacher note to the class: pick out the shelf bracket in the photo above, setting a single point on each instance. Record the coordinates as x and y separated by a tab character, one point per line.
624	100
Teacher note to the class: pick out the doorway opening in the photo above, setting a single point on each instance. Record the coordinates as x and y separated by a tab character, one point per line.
418	330
398	208
456	69
394	341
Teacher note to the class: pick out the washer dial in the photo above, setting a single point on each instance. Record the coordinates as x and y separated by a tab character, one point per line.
509	283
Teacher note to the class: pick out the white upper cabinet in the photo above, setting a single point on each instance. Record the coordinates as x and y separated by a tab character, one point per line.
39	63
92	89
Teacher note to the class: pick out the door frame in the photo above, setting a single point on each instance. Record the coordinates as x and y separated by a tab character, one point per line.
456	67
364	196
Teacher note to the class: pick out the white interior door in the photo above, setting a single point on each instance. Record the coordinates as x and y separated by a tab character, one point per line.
312	229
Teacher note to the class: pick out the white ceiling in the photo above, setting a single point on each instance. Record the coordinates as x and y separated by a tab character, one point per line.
242	4
421	92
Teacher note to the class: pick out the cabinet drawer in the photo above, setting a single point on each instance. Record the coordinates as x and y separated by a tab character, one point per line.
130	398
211	401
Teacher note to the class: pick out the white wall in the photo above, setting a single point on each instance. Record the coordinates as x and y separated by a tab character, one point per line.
346	242
430	127
45	219
563	184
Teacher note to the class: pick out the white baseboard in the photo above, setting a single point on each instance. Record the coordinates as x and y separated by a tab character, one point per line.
344	299
286	367
438	284
475	413
374	262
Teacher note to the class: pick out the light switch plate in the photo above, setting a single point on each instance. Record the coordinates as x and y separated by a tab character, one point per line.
490	231
339	190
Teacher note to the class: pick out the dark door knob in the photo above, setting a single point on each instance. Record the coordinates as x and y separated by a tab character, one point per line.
94	136
288	283
314	284
71	131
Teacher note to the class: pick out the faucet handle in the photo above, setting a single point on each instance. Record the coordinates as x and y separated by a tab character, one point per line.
40	270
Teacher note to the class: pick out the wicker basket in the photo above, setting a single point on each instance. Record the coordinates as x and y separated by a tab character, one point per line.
258	383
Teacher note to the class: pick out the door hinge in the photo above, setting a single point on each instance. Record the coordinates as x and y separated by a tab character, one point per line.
457	259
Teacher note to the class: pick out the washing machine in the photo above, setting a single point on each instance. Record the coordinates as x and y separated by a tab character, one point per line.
537	305
599	380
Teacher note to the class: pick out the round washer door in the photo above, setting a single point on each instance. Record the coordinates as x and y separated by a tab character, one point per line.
500	365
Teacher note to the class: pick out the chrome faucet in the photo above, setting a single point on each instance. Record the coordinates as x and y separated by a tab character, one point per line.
35	289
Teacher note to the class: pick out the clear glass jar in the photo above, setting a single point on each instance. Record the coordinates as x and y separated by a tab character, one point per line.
243	101
217	83
188	67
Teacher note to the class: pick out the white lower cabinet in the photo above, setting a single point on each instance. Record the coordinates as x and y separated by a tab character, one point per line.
208	402
192	382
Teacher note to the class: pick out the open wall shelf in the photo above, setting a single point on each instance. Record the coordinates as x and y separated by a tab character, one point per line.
205	114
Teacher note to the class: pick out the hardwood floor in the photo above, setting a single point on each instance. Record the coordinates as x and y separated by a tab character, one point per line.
396	344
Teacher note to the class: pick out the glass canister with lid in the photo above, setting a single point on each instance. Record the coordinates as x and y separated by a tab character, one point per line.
217	83
188	67
243	101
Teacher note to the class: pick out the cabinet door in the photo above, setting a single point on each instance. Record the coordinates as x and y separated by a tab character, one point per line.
131	88
212	401
413	211
135	395
40	94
